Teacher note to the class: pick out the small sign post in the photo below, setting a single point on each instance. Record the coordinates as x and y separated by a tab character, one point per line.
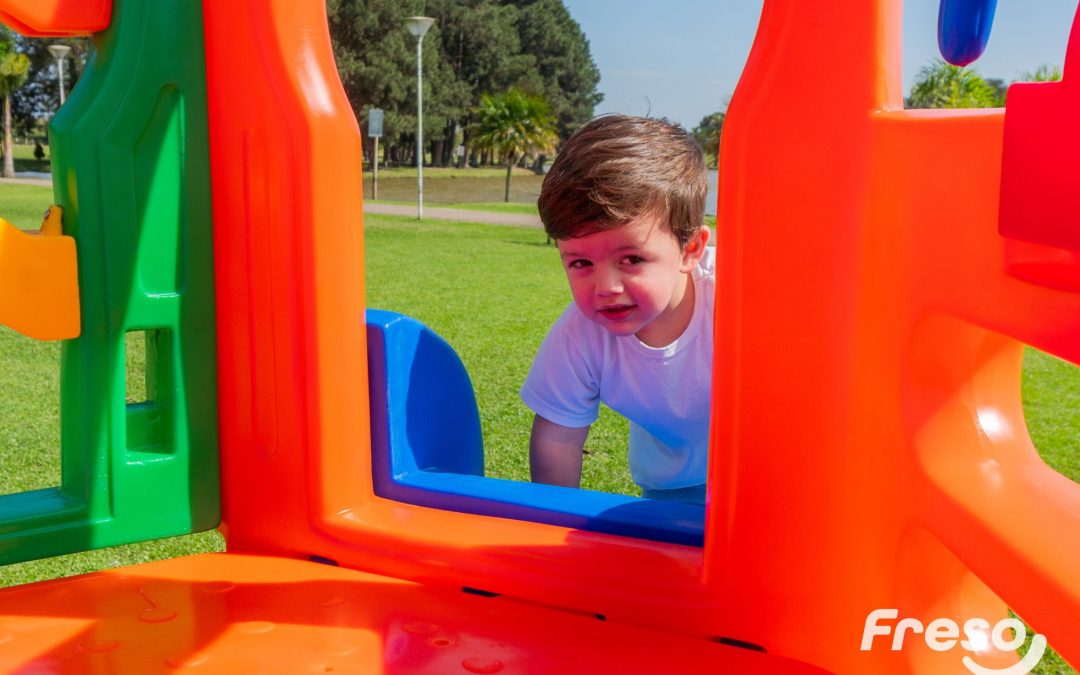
375	124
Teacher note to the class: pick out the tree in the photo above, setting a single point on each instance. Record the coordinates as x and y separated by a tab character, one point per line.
39	98
14	67
376	60
1044	73
999	86
481	45
568	75
513	124
940	85
707	134
475	47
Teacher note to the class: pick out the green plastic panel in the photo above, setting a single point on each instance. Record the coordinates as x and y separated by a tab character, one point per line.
131	170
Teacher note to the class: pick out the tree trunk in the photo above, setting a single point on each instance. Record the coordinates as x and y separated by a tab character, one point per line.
509	170
9	158
437	153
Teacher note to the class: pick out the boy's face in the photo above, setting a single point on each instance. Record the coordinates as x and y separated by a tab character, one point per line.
633	279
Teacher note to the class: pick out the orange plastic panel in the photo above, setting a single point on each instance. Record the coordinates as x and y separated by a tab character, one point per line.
239	614
869	444
44	18
867	337
292	364
39	281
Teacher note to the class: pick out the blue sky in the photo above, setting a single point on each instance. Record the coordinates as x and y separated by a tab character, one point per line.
681	59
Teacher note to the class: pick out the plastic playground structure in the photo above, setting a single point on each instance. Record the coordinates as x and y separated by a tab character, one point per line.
881	270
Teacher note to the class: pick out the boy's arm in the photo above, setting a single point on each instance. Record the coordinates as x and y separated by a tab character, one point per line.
555	453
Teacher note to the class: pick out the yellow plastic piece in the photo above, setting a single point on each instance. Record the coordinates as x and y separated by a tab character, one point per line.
39	280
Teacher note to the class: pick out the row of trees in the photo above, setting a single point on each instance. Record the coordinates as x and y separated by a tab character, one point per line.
509	51
940	85
525	63
28	85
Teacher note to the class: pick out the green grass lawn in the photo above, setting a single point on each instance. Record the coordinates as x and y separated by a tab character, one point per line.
495	333
25	160
24	205
491	292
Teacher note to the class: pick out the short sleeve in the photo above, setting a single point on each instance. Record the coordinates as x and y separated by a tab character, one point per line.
562	385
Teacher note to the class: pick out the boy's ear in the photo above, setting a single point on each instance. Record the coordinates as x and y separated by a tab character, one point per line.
695	248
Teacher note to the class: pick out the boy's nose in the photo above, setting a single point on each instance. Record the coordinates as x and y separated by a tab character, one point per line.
609	282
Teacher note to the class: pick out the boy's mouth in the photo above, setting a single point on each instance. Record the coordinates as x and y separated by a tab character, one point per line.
617	312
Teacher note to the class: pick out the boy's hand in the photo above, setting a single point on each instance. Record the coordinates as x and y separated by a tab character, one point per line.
555	453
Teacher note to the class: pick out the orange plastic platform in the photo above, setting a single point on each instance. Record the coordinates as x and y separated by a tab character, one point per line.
246	614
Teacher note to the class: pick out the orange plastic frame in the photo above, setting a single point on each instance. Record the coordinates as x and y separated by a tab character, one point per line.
869	447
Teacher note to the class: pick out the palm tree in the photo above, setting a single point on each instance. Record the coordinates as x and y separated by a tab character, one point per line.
1044	73
14	68
513	124
940	85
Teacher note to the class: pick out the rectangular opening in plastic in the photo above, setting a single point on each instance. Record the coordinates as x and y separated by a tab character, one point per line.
29	413
147	387
1051	394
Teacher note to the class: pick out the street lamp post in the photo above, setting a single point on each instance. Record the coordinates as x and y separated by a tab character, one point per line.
59	52
418	25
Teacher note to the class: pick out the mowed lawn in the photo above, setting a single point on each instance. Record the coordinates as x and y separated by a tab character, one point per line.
491	292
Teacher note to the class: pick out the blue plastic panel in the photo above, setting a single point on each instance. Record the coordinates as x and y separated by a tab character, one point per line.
427	448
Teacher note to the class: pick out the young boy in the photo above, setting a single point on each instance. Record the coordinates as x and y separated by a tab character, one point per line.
625	201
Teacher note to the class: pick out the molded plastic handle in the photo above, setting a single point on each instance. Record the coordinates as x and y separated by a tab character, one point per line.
39	280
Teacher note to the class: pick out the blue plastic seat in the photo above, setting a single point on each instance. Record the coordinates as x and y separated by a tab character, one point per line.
428	449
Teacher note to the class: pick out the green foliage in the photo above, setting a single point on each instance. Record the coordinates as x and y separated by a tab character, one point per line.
568	76
481	44
999	86
475	47
1044	73
941	85
376	60
14	67
707	134
40	96
513	124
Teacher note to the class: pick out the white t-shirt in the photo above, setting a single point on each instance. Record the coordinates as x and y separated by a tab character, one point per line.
663	391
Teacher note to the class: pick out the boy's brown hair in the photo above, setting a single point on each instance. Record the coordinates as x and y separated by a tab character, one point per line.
617	168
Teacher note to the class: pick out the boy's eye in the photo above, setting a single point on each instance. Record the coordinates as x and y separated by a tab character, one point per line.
633	260
579	264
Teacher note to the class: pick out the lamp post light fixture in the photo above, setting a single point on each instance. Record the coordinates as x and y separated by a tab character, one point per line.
418	25
59	53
